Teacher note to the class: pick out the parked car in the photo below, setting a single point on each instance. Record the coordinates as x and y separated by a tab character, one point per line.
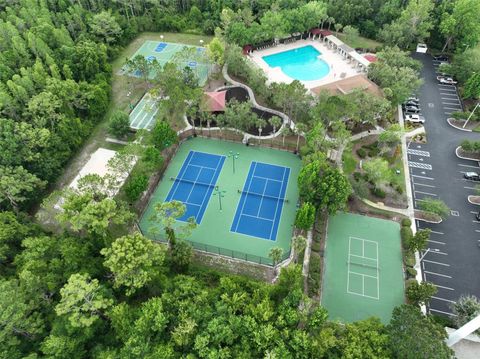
414	118
413	98
472	176
446	80
411	103
441	58
413	109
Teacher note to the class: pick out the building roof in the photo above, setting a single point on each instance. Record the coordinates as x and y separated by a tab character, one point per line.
359	58
214	101
315	31
346	48
349	84
335	40
370	57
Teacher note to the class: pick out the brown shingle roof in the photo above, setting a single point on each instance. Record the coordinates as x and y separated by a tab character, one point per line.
347	85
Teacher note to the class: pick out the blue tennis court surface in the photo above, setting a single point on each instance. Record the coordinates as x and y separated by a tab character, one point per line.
160	47
260	208
195	182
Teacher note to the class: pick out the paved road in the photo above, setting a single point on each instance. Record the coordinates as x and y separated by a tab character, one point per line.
453	263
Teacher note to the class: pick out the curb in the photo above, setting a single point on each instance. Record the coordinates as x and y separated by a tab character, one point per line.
469	198
456	127
463	157
427	221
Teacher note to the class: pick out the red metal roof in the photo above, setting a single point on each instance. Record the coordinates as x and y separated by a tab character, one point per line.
325	33
214	101
371	58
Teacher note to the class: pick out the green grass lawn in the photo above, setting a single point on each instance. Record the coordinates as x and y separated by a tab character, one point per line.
360	41
349	163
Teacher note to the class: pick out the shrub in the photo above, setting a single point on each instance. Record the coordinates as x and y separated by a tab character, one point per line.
314	279
374	152
357	176
305	216
378	192
406	222
420	293
119	124
316	246
435	206
361	152
399	189
162	135
135	186
411	272
409	259
406	234
360	188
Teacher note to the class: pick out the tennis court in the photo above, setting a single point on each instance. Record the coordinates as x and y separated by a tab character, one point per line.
261	202
195	182
200	167
143	115
191	56
363	268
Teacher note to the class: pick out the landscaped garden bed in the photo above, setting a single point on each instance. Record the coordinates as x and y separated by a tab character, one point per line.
474	199
427	216
469	150
376	171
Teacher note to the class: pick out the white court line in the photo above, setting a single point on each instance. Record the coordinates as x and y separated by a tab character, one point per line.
429	194
429	178
470	166
442	312
248	190
445	300
437	242
440	275
257	217
443	287
269	179
441	264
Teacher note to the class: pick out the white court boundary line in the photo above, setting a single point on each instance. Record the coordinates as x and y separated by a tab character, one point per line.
349	271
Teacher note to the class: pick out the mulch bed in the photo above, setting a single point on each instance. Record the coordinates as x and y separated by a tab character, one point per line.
429	217
471	155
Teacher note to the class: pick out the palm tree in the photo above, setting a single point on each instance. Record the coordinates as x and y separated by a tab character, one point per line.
192	113
300	128
276	122
338	27
331	21
221	123
299	243
285	132
260	123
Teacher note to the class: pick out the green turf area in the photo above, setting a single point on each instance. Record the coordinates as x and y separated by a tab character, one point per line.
363	268
214	232
195	57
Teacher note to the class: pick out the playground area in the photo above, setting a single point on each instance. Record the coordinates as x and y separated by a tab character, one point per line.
363	268
243	198
183	55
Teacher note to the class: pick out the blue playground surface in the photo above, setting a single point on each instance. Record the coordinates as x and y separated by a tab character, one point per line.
260	207
195	182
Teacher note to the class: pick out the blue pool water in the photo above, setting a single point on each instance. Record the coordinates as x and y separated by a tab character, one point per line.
301	64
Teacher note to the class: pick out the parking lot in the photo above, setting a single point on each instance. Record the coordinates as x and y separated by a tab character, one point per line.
453	258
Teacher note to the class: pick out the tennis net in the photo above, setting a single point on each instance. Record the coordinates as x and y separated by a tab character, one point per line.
262	195
363	262
191	182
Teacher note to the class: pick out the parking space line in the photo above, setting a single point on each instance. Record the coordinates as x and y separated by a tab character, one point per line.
448	112
469	166
441	264
429	194
469	187
436	242
440	275
451	108
439	252
449	94
423	184
451	102
425	177
445	300
442	312
424	166
475	221
441	286
436	232
477	230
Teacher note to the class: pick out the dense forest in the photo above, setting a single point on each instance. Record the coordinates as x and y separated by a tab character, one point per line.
92	293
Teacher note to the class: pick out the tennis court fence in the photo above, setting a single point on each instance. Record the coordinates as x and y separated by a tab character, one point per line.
208	248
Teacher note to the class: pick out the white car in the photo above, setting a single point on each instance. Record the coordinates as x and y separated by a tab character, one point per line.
446	80
414	118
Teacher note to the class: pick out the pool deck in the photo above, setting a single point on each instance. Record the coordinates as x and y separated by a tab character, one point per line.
338	64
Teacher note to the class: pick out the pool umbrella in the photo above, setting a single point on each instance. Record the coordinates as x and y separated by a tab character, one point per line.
214	101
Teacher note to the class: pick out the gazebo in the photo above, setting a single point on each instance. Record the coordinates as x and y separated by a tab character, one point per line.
370	57
214	101
247	49
315	31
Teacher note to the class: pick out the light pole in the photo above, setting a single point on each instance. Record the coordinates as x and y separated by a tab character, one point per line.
161	37
220	194
424	254
469	117
234	157
201	42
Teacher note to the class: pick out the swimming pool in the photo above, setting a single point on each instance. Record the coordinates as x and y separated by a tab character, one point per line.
301	63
